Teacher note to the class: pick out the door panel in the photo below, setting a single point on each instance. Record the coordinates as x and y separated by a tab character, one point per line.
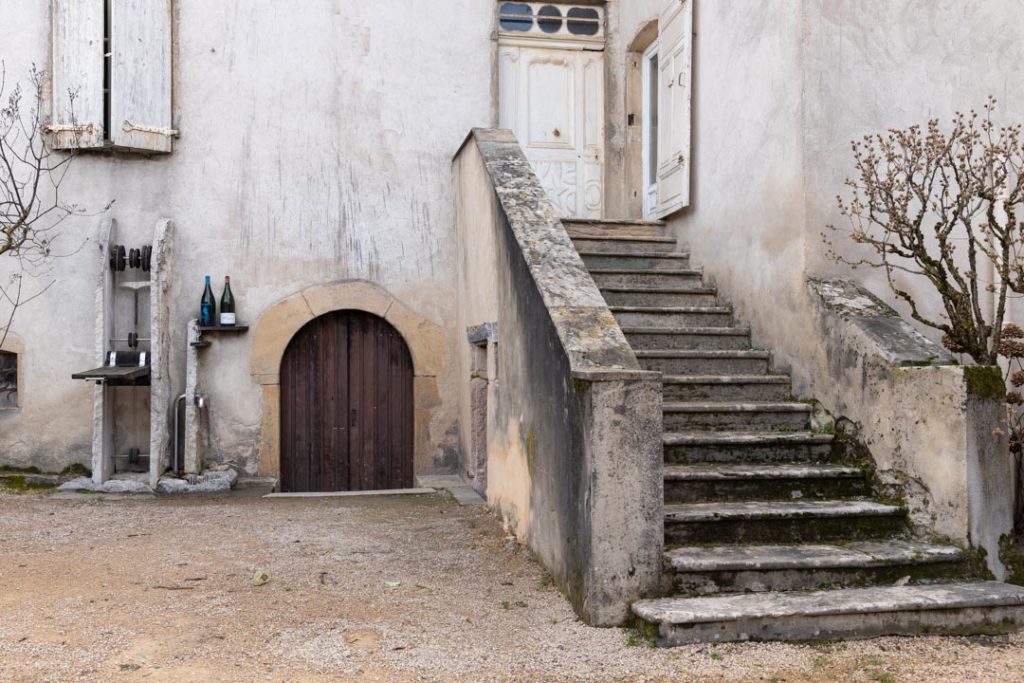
554	102
674	102
550	105
346	406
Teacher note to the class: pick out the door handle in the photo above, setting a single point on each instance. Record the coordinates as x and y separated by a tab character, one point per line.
354	417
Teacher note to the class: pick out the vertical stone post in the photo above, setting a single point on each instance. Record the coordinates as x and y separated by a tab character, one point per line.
623	480
103	396
990	473
193	456
160	350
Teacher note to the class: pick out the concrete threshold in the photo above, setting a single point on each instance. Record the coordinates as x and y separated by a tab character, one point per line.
352	494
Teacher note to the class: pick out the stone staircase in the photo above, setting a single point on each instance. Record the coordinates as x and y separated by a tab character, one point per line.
768	535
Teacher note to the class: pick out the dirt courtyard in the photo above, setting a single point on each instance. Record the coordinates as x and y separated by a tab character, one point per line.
412	588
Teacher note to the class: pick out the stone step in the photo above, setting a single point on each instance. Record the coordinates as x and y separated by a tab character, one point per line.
582	227
747	447
725	387
673	318
684	277
636	295
704	482
735	416
702	338
625	245
701	570
705	362
626	260
781	521
953	608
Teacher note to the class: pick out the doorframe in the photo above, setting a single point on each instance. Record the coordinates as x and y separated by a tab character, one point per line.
280	322
561	42
630	175
649	187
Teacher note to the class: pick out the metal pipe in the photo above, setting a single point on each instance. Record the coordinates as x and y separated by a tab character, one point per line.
178	464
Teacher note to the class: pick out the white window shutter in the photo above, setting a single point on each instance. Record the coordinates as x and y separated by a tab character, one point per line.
675	52
140	93
77	74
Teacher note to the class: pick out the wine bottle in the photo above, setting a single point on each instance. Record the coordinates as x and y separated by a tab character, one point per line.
207	307
227	305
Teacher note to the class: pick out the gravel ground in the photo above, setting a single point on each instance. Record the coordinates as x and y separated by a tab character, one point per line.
360	589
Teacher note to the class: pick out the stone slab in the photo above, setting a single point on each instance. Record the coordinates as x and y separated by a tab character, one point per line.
120	486
736	407
440	481
352	494
704	512
809	557
99	495
747	438
671	309
466	496
702	472
897	340
831	602
726	379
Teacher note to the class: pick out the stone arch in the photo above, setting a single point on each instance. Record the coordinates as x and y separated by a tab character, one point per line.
279	323
645	37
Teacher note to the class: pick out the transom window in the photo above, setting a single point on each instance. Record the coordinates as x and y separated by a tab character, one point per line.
549	19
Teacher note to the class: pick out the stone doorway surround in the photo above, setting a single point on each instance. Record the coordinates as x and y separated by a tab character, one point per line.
279	323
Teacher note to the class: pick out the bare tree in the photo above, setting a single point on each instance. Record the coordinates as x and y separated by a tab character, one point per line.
940	206
943	208
31	206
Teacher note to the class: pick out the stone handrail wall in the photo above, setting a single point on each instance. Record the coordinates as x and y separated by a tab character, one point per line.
936	430
574	430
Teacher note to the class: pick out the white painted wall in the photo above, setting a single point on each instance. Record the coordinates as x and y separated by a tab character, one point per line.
875	64
316	145
780	90
745	221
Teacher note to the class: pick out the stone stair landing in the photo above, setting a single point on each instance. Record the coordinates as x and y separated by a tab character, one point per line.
768	534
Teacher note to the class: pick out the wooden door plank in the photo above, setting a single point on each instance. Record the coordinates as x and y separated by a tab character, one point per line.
382	448
347	406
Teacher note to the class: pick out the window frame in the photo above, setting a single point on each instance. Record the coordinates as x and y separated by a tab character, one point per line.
649	132
18	395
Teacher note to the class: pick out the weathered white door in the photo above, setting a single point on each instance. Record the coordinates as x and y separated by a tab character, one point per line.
675	50
554	102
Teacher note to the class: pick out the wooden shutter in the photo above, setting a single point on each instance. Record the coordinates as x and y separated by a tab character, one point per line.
140	94
675	49
77	116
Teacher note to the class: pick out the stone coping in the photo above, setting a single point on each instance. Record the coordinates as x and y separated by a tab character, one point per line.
589	333
896	340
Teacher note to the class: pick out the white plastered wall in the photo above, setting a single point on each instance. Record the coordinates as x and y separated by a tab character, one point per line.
315	147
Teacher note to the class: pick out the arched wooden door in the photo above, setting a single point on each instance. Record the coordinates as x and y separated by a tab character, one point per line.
346	406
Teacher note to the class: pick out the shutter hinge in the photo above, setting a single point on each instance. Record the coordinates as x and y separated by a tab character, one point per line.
130	127
69	128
